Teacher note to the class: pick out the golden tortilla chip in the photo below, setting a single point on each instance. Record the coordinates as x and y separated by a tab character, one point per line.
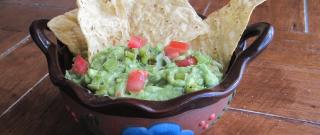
66	29
100	25
226	28
106	23
160	21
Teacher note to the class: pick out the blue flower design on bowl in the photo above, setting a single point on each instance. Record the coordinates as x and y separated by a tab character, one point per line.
158	129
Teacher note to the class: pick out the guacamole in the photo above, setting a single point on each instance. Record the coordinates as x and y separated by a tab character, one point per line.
145	72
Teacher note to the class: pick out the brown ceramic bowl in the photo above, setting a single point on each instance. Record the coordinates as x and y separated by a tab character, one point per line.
185	115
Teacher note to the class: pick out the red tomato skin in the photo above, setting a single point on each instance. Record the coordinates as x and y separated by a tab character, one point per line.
80	65
171	53
175	49
136	42
186	62
136	81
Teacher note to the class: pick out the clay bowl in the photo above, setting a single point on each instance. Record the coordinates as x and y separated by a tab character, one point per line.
185	115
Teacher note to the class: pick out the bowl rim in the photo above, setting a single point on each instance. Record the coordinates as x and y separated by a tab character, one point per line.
129	107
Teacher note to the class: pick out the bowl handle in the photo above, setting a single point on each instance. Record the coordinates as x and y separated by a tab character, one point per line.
243	54
37	32
264	33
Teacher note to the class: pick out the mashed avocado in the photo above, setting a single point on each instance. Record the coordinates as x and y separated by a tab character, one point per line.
107	74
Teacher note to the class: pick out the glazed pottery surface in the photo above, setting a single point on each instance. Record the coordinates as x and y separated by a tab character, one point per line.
194	121
186	115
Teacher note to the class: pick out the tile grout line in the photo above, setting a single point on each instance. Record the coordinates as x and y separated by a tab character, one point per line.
25	94
306	16
10	30
274	116
36	5
15	46
205	11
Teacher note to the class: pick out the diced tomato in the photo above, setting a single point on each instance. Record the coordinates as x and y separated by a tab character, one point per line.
171	53
186	62
175	49
80	65
136	42
136	81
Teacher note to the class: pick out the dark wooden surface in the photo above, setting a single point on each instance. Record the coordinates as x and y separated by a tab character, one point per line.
279	94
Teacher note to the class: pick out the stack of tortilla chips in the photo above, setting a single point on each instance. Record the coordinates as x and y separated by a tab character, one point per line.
99	24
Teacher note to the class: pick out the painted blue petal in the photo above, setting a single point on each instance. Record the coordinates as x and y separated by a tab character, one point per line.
186	132
136	131
165	129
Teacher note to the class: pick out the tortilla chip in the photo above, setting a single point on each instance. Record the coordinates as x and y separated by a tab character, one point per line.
160	21
226	28
100	25
66	29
